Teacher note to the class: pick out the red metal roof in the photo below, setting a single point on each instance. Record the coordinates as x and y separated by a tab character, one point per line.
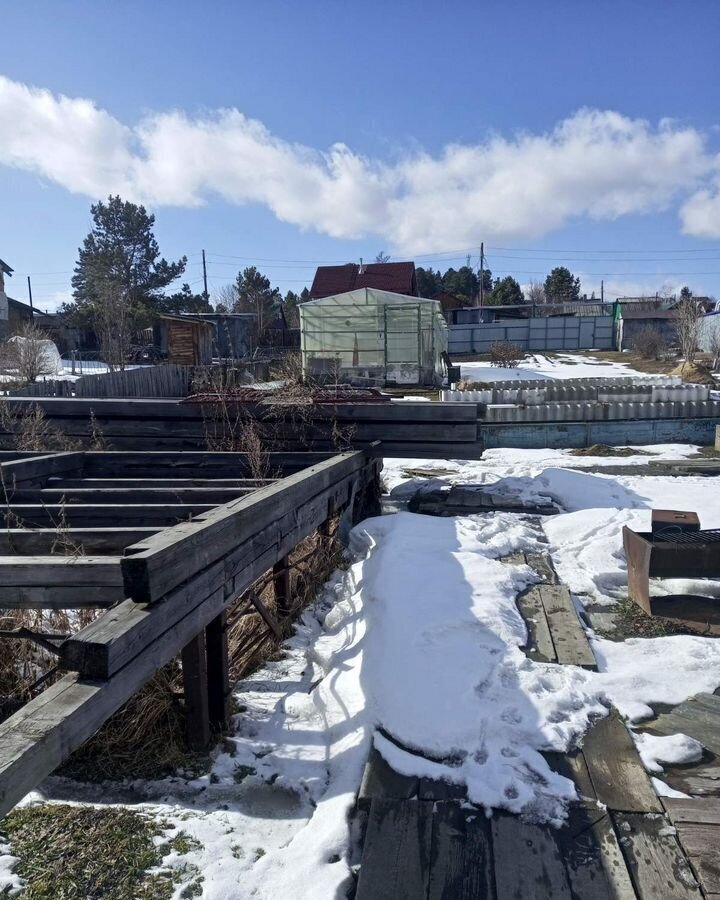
397	277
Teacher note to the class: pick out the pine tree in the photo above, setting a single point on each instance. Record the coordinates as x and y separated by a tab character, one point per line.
256	294
121	251
506	292
561	286
119	277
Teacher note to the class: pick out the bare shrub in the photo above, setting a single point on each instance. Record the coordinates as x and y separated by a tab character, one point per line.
505	354
715	350
31	430
650	343
30	355
687	325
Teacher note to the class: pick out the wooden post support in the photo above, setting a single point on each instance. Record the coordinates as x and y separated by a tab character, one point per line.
195	684
281	586
218	682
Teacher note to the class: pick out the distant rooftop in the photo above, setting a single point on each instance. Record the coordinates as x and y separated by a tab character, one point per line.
397	278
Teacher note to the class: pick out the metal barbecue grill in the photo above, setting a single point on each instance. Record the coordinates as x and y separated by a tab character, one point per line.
674	548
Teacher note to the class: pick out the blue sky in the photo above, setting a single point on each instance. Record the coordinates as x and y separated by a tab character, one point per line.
538	128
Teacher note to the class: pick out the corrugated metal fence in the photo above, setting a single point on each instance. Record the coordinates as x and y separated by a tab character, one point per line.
547	333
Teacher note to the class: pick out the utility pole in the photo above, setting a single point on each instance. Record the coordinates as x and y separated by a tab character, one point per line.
205	292
32	311
482	272
602	290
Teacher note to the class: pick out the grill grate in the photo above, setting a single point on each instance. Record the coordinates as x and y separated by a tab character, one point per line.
675	535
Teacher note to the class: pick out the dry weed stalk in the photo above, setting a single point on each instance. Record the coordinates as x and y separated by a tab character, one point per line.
31	431
250	641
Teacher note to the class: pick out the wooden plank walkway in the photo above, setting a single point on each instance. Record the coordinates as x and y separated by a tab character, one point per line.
620	841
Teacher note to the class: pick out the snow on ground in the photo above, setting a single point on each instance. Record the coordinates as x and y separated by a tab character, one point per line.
417	646
503	463
536	367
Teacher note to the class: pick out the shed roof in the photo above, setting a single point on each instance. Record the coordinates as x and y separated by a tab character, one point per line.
368	297
630	313
397	277
6	268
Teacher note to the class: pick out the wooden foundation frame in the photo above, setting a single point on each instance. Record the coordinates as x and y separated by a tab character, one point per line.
170	586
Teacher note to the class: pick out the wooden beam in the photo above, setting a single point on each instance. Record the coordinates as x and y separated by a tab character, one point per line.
37	469
89	515
189	464
49	571
105	646
50	541
212	496
155	566
195	687
68	596
136	482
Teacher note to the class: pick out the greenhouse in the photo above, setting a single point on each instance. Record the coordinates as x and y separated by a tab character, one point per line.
372	337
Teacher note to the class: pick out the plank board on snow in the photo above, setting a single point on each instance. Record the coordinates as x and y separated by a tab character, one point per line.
396	856
528	862
593	859
616	771
381	780
657	864
540	645
702	845
699	811
698	717
461	866
572	647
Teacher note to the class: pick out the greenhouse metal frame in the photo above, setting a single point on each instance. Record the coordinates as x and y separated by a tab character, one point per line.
375	337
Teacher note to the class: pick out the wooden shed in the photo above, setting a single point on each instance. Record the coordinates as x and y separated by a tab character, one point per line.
189	341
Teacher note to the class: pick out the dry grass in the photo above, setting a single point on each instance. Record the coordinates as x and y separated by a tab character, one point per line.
250	642
694	373
605	450
144	739
31	431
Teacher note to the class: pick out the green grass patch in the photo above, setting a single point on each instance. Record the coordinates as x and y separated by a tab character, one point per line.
631	621
83	853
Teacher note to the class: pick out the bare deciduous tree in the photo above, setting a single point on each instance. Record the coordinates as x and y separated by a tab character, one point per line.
112	321
225	297
29	354
535	293
687	326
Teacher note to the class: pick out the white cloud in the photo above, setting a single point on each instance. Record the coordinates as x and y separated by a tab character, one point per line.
700	214
596	164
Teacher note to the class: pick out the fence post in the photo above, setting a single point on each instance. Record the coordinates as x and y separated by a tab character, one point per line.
281	586
195	686
218	680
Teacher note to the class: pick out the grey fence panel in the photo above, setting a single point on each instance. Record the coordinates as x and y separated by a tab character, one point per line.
551	333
